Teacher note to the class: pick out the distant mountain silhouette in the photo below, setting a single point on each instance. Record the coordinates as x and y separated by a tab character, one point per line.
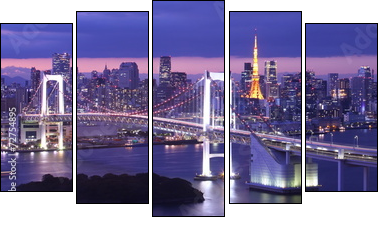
9	80
15	74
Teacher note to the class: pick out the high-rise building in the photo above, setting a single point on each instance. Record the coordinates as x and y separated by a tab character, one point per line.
35	78
344	94
61	64
358	94
271	87
165	71
165	88
128	75
154	92
178	80
362	90
106	73
365	72
246	79
332	83
271	71
35	82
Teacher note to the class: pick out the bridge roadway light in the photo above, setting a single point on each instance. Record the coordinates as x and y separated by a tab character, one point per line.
331	138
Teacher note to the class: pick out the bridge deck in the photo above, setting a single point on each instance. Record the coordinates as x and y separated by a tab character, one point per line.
314	149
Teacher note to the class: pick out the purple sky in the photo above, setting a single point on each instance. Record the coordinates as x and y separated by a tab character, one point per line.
191	32
28	45
111	38
188	28
279	38
340	48
112	34
21	41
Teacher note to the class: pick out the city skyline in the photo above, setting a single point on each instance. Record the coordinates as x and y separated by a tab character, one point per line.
188	43
44	92
112	52
112	104
344	47
21	41
341	108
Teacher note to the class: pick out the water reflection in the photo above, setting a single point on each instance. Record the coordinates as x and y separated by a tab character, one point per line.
184	162
31	166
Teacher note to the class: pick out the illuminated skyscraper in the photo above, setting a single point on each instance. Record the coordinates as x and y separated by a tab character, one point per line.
128	75
165	88
165	70
272	87
61	64
35	82
255	91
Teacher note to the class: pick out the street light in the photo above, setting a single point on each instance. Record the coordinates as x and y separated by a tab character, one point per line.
310	138
357	140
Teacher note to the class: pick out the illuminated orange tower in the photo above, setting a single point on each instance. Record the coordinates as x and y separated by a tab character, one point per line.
255	90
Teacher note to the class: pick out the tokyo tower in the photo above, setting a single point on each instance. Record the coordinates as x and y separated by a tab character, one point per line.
255	90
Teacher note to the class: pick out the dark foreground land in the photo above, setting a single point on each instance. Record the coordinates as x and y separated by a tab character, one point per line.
49	183
174	190
112	188
124	188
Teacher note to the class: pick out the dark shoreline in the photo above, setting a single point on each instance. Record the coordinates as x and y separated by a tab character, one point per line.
124	188
167	190
48	183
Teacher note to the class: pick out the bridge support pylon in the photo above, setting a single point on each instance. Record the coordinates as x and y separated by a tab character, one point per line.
365	178
340	165
206	158
233	175
45	110
206	171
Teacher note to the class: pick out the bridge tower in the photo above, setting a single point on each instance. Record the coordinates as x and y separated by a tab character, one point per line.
45	112
206	171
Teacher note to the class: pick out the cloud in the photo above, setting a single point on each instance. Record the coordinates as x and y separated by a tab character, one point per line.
35	40
329	40
112	34
188	29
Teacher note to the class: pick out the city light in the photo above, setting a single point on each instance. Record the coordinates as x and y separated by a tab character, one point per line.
345	100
